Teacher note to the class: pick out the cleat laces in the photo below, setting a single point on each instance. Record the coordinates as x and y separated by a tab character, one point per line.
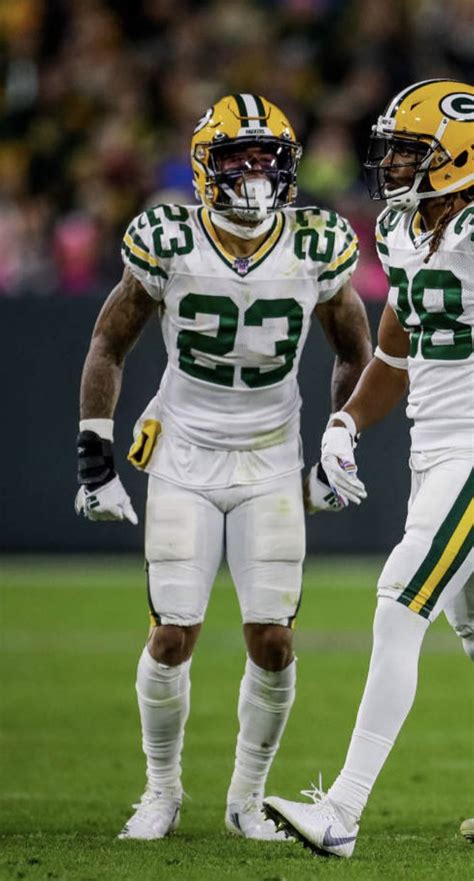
150	796
316	793
252	803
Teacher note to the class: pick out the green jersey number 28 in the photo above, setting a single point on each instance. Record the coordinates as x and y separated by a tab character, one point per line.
454	342
191	341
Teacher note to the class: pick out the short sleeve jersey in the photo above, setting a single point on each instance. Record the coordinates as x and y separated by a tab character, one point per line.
434	302
234	328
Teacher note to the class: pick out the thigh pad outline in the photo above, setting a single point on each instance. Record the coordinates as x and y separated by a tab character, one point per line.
170	529
278	533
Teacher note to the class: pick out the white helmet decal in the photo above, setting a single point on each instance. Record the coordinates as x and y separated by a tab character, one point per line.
203	120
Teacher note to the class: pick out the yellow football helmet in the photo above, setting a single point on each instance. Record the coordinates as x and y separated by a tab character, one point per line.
231	126
432	123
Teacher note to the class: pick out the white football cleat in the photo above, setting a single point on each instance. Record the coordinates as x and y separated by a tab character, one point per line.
246	818
467	829
157	814
317	826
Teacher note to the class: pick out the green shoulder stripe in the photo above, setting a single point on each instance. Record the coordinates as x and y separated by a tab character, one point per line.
387	221
332	273
381	248
347	241
462	219
137	239
142	264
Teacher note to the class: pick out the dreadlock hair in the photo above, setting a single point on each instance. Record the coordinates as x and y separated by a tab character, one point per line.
440	227
443	220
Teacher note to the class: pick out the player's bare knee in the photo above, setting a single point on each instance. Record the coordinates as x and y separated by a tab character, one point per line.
172	644
270	646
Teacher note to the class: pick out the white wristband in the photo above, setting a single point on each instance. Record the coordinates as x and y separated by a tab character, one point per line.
103	427
346	420
399	363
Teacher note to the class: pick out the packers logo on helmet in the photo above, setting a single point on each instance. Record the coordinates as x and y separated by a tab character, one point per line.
244	156
430	124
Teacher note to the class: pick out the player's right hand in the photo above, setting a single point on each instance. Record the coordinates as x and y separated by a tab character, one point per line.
102	495
337	459
319	495
108	502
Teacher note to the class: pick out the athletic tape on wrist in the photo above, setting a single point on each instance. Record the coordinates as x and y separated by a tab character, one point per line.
103	427
346	420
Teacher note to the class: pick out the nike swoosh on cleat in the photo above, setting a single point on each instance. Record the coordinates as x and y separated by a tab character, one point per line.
236	821
329	841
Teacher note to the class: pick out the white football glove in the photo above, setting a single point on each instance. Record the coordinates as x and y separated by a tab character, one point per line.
337	459
319	495
108	502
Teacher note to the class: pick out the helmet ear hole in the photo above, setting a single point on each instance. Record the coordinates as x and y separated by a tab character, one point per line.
461	159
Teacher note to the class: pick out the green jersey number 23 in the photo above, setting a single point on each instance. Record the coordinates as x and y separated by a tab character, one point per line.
191	341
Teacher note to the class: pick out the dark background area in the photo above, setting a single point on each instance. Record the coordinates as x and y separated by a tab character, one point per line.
44	344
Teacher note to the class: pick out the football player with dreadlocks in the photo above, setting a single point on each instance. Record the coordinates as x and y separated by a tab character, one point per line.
421	161
235	284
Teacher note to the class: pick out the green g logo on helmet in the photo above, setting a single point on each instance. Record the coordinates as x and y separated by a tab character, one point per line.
458	105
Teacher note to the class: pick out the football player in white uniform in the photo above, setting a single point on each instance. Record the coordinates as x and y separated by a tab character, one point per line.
235	284
422	160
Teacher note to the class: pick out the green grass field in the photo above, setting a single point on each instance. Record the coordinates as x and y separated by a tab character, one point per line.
72	630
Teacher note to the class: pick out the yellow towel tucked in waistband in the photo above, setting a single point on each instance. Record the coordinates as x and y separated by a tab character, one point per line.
141	449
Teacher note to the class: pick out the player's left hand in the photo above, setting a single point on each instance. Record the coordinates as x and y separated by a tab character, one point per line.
337	459
319	495
108	502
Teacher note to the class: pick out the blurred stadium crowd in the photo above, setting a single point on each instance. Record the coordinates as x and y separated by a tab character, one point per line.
99	99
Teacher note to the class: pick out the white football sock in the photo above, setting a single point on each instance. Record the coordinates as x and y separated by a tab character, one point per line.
388	697
163	701
265	701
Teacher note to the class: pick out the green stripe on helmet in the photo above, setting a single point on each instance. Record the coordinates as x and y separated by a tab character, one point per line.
260	108
242	109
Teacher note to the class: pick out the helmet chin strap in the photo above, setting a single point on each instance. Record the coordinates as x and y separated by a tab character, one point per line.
259	190
255	200
410	199
241	232
253	206
406	200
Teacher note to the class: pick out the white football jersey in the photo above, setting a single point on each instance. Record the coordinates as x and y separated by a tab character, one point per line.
434	302
234	328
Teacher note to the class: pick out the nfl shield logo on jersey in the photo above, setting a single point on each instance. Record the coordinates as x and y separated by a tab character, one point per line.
242	265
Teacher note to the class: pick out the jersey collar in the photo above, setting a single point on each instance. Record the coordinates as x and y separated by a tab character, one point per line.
242	265
418	234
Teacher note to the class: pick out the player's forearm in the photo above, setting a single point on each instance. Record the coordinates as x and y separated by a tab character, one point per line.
379	390
344	321
354	352
101	382
345	377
